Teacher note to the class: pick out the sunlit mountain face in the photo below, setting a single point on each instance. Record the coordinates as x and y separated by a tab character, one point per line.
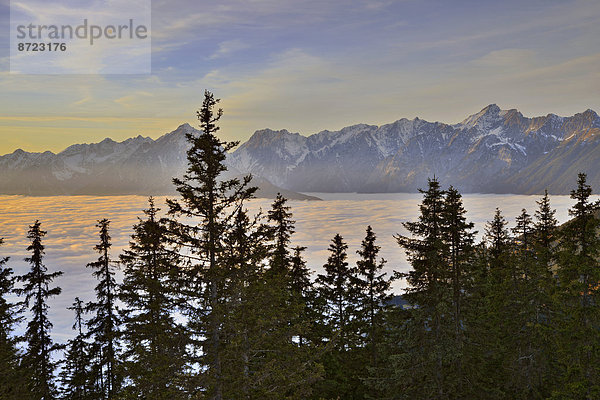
139	165
492	151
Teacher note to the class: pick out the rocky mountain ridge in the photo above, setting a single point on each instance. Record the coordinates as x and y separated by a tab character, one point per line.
492	151
138	165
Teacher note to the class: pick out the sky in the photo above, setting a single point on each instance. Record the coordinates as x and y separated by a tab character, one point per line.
308	65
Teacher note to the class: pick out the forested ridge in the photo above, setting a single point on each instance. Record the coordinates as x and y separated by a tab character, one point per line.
216	303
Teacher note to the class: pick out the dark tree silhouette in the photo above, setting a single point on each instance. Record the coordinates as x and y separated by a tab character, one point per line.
103	326
37	360
155	342
214	203
75	375
11	382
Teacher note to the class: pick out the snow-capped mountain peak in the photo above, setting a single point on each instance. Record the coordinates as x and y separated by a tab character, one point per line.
484	119
139	165
494	150
482	153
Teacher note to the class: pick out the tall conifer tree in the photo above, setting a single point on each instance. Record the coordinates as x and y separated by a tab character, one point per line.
75	376
103	326
11	383
545	245
213	202
373	295
375	288
528	338
545	232
246	249
459	238
155	342
304	293
281	216
37	360
498	322
337	289
287	366
429	335
579	297
497	237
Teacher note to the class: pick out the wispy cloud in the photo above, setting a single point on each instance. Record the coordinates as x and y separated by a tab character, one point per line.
132	99
506	58
339	62
227	48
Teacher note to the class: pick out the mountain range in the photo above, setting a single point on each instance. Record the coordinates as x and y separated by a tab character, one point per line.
492	151
138	165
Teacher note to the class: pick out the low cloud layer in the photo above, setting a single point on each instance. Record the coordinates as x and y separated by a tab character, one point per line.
70	222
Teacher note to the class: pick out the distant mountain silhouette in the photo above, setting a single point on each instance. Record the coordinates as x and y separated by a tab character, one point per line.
138	165
493	151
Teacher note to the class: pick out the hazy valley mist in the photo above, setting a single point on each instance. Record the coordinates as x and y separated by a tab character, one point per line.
70	222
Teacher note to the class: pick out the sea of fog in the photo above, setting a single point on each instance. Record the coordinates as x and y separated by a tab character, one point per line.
70	222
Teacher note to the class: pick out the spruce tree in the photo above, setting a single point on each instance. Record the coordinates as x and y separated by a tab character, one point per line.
508	328
475	354
37	360
579	279
545	231
502	293
286	306
373	295
300	283
290	368
375	292
303	293
154	359
11	384
533	255
335	288
543	282
459	238
243	326
337	293
523	230
422	367
281	216
497	237
75	375
103	326
264	320
528	338
213	202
